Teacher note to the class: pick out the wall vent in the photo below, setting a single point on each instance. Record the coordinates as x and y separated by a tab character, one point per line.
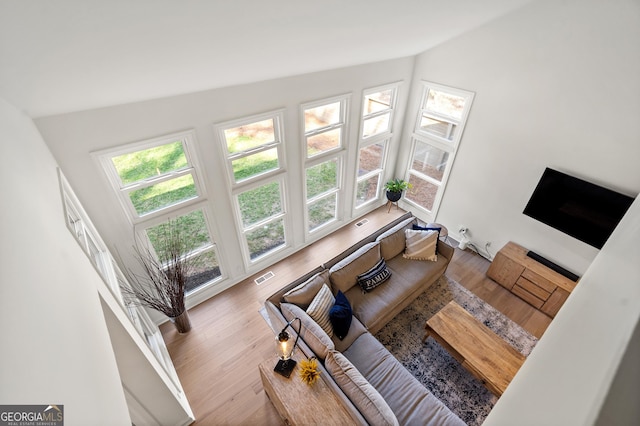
261	279
362	222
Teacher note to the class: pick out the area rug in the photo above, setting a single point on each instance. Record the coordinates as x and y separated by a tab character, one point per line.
432	365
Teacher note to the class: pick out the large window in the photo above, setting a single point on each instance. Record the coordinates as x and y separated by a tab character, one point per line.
159	180
324	124
254	151
437	133
375	133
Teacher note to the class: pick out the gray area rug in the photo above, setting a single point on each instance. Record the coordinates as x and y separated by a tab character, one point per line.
432	365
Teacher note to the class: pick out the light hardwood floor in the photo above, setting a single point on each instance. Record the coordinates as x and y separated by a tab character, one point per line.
217	361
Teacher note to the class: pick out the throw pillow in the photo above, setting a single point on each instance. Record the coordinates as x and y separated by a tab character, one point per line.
303	294
421	245
365	397
320	307
374	276
341	315
312	334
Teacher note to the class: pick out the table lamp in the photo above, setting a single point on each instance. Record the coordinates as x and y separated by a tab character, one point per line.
285	345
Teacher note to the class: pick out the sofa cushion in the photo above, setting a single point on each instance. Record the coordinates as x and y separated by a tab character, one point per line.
355	331
392	242
320	307
414	404
364	396
344	274
421	245
340	316
374	276
313	335
303	294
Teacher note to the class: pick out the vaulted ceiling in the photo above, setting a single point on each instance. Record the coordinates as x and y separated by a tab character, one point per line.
59	56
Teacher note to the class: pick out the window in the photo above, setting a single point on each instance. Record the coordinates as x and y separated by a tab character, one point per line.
375	135
254	151
438	130
159	180
324	124
203	252
92	244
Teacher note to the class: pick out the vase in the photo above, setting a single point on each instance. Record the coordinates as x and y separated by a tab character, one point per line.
394	196
182	322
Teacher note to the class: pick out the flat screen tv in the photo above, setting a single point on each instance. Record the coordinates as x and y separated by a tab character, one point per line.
578	208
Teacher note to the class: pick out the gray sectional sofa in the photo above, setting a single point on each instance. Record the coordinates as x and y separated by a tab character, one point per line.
375	388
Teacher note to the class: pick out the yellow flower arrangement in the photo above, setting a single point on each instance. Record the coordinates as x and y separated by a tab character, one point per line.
309	372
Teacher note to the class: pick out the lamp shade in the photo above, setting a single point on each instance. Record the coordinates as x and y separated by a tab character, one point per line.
285	345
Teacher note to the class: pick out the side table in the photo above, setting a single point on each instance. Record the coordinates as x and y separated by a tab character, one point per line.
301	404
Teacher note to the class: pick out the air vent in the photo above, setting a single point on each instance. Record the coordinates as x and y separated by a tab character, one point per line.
261	279
362	222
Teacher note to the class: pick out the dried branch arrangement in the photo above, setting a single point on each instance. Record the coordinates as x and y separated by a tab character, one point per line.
161	282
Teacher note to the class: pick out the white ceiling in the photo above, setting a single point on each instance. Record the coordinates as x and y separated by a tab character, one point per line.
59	56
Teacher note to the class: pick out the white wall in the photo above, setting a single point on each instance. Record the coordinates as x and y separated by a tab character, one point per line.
583	370
557	84
55	345
72	137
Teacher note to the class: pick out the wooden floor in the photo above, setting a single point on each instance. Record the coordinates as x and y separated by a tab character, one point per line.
217	360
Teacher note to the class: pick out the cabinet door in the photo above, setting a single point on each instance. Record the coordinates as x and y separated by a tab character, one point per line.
504	271
555	302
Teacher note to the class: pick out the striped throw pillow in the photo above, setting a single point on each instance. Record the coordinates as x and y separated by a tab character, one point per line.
320	307
374	276
421	245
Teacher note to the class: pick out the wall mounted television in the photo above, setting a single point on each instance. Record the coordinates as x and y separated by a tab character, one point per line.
581	209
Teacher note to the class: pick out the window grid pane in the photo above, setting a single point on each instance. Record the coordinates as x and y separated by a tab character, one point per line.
265	239
322	211
323	142
163	194
378	101
430	161
321	116
371	158
445	103
256	164
376	125
322	178
422	192
206	268
259	204
250	136
141	165
367	190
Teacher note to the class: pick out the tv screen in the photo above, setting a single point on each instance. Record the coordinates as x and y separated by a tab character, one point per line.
581	209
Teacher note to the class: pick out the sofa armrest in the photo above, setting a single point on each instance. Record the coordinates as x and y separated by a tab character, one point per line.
445	250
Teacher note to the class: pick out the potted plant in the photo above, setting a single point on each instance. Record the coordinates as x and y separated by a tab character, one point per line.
160	281
395	187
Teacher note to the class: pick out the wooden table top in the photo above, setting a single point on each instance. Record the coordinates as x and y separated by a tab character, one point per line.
475	346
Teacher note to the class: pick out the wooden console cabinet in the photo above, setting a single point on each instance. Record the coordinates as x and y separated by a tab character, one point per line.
538	285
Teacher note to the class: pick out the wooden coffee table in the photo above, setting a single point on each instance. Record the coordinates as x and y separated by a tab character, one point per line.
489	358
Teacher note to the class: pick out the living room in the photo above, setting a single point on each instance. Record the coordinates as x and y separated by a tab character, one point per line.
540	75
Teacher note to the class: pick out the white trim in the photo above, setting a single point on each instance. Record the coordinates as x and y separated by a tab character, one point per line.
449	146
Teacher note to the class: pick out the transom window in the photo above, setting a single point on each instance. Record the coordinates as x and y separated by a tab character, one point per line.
254	150
324	133
375	133
437	134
